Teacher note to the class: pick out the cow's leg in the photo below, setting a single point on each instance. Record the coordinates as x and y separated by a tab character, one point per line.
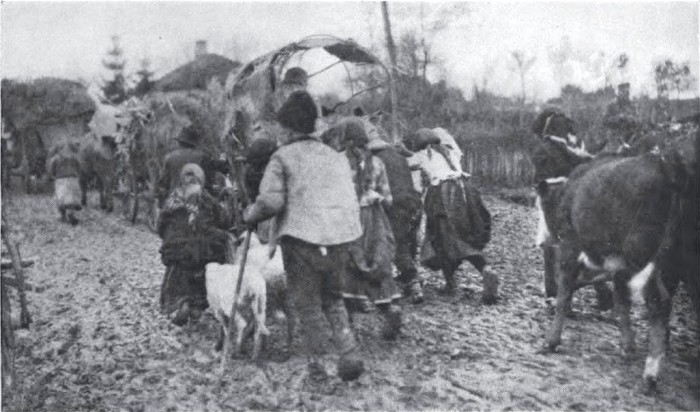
108	194
101	191
659	310
623	304
550	271
605	296
83	188
568	267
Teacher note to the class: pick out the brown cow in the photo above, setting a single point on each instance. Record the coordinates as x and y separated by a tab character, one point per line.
557	153
634	220
98	164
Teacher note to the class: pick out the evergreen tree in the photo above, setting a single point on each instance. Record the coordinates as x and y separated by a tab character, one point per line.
145	84
115	90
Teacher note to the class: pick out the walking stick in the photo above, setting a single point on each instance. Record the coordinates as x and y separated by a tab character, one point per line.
241	271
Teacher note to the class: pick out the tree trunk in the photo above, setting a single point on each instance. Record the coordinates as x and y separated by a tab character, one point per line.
391	47
393	72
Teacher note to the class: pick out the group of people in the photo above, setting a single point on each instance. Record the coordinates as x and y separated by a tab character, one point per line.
344	208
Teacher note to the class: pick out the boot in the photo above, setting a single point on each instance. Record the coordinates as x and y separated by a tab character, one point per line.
350	365
70	216
392	321
415	292
450	282
490	283
182	315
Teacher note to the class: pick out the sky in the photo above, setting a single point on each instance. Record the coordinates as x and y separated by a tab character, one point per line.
474	47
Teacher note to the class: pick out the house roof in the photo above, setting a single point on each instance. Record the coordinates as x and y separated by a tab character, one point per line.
197	73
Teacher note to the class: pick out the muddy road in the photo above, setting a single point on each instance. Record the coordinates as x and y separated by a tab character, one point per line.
98	341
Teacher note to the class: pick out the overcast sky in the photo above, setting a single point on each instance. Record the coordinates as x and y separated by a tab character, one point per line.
70	39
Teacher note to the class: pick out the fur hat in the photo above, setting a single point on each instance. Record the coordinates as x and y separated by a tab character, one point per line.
188	136
299	113
296	75
354	130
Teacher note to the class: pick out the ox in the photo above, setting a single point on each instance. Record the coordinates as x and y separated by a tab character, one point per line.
632	220
99	164
559	151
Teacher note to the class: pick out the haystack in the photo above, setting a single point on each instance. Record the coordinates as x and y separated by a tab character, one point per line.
43	114
45	101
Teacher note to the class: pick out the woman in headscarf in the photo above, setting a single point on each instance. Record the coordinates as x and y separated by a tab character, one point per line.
192	225
458	225
371	274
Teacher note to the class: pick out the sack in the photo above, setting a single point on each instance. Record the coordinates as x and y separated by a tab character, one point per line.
195	252
421	139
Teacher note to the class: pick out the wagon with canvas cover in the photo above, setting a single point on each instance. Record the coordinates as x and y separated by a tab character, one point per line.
259	88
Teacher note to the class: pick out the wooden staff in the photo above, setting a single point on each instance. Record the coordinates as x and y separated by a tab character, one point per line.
25	318
241	271
237	161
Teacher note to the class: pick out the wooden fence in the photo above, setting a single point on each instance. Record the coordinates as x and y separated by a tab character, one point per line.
499	166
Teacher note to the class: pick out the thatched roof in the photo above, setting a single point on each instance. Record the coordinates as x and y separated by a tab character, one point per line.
44	101
197	74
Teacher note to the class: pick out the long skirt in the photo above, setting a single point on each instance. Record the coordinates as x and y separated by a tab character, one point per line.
458	225
180	285
371	275
68	193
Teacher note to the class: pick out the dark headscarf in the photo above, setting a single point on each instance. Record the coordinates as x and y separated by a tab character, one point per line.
354	139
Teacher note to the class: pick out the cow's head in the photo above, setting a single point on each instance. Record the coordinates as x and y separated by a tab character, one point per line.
553	122
548	195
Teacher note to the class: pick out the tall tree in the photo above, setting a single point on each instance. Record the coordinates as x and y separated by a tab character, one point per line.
391	47
523	64
145	84
669	75
114	90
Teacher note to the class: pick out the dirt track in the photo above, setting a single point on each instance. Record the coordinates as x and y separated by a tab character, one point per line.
99	343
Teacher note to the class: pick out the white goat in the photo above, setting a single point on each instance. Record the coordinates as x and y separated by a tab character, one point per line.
260	271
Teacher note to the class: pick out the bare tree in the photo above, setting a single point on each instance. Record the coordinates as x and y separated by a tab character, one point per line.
670	75
523	64
391	47
621	64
